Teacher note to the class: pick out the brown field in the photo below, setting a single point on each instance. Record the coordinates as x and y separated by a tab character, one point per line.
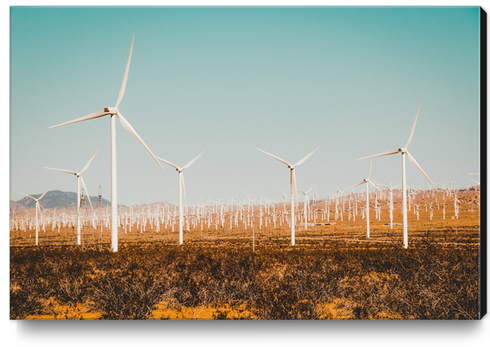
333	272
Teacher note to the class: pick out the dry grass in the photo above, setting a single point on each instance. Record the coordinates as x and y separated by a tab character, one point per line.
333	272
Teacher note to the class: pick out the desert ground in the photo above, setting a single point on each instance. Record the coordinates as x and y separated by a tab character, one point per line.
237	265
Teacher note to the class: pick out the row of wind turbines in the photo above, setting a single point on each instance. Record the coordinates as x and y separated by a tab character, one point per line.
236	217
404	152
114	112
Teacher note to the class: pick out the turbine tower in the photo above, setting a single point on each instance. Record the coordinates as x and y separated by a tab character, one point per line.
79	180
404	153
113	112
100	196
180	170
292	185
82	199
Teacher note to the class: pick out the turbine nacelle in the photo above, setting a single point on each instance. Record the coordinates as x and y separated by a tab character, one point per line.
111	110
402	150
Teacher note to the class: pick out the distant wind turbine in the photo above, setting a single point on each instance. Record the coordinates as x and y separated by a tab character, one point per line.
404	152
180	170
367	181
305	213
292	184
113	111
37	210
79	179
391	203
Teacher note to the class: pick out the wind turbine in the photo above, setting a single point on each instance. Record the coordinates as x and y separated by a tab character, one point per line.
292	184
305	213
79	179
391	202
404	153
367	181
37	209
114	111
180	170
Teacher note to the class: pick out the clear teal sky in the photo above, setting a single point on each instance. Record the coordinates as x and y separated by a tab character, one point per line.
283	80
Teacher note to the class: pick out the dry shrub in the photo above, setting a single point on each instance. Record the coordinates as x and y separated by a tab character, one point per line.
426	281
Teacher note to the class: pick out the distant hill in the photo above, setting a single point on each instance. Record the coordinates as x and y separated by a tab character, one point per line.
15	206
52	199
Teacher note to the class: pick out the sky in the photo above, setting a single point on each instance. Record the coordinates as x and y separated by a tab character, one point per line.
282	79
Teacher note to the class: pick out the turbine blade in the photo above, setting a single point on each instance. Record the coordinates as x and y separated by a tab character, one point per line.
86	190
169	163
374	185
309	155
67	171
43	195
125	78
130	129
414	162
86	166
93	115
277	158
309	190
193	160
413	127
355	185
33	198
380	154
474	181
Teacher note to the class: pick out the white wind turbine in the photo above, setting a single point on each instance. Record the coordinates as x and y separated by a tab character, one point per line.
367	181
114	111
292	184
391	202
37	210
305	213
404	152
181	190
79	180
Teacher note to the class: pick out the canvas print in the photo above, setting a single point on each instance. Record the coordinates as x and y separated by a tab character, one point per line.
248	163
